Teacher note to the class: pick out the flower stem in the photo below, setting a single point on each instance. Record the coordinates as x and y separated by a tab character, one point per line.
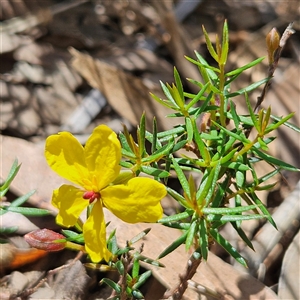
74	246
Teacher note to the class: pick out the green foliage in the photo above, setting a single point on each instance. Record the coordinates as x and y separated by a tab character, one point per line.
11	175
221	151
127	263
15	206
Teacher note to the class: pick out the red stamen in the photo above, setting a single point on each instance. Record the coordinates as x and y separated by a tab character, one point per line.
91	196
88	195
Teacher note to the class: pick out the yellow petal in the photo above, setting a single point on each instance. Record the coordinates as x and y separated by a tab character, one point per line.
94	232
138	201
102	156
70	204
65	156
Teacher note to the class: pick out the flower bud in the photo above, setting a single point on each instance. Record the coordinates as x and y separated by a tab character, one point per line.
45	239
272	39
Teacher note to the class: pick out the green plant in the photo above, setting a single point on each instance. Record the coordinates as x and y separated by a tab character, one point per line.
221	152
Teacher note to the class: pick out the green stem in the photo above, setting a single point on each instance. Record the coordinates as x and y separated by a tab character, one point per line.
245	149
73	246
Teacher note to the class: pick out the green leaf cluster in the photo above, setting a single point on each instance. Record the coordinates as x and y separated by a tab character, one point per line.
218	148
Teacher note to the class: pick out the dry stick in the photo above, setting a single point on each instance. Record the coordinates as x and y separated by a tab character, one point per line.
128	264
42	16
30	291
78	256
123	278
26	293
192	265
273	65
203	290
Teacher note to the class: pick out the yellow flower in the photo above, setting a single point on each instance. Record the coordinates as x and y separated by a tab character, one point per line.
94	168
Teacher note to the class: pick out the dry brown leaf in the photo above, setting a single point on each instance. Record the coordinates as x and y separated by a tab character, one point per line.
11	9
288	285
127	94
10	42
142	60
28	109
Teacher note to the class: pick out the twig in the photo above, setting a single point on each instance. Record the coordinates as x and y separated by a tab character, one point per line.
78	256
199	288
127	261
192	265
29	291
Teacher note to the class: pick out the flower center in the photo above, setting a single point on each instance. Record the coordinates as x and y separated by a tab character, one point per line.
91	196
